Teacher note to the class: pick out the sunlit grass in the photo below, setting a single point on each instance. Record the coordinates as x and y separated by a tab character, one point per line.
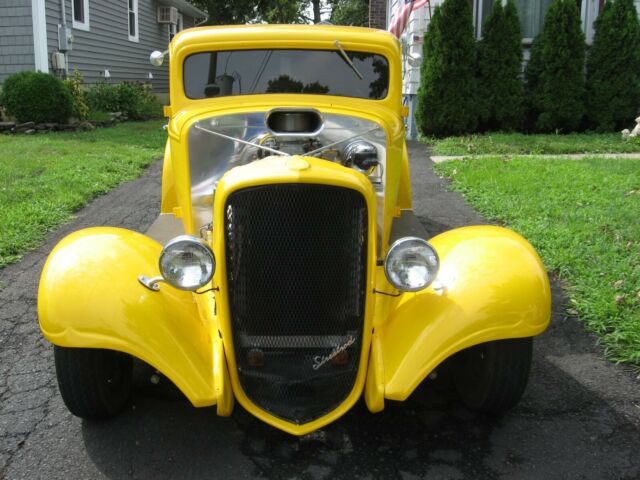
583	217
518	143
46	177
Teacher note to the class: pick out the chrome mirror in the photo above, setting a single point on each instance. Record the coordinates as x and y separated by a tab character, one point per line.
157	57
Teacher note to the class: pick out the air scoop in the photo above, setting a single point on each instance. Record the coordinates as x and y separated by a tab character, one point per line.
294	122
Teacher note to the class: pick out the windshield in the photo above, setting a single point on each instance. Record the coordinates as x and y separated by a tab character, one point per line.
318	72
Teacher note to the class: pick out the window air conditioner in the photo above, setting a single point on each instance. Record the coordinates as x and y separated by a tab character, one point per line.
167	14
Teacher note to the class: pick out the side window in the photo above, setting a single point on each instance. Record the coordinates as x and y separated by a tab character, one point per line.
132	16
482	10
531	13
80	14
532	16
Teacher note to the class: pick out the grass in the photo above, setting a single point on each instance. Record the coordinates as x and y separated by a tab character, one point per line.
46	177
521	144
583	217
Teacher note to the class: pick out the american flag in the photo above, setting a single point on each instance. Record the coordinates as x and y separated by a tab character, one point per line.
403	12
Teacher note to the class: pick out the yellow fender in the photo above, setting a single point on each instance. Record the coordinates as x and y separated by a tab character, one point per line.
491	286
89	296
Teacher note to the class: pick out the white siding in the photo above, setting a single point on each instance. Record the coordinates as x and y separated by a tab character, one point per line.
412	40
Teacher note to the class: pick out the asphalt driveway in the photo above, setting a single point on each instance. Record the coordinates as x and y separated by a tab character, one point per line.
580	417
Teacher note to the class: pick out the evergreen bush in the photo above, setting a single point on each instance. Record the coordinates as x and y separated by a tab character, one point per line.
36	97
613	68
500	87
555	75
446	103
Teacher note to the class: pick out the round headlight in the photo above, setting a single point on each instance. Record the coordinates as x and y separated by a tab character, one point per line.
411	264
187	263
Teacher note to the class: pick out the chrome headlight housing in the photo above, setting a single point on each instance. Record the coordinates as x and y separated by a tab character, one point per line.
187	263
411	264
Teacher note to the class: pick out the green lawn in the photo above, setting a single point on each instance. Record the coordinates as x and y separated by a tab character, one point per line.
46	177
584	219
518	143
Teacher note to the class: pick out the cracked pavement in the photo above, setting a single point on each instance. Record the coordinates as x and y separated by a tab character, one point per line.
579	418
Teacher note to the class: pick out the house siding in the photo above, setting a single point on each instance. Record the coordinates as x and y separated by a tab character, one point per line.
412	40
106	46
16	37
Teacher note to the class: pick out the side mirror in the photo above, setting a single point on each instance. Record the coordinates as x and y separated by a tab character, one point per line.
157	57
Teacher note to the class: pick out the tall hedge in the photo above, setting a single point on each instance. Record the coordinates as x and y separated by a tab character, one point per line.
500	87
555	75
446	103
613	68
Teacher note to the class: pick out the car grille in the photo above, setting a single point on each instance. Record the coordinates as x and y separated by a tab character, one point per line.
296	270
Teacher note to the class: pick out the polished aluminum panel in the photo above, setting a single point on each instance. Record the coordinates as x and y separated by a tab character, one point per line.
210	156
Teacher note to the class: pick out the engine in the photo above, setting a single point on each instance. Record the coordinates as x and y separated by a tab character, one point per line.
220	143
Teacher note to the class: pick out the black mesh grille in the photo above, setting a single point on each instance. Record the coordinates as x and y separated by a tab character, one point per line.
296	270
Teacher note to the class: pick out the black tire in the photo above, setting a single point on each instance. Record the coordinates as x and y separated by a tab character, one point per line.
95	384
491	377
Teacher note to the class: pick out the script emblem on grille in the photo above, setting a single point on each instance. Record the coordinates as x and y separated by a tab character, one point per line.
319	361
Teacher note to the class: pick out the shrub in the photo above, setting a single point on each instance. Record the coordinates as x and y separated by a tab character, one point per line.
103	97
500	87
79	107
36	97
613	67
150	108
138	102
446	103
133	99
555	76
99	117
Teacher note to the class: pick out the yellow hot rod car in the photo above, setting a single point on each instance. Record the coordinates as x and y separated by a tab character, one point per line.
287	270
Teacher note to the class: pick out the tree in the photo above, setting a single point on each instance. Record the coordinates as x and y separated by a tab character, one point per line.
446	103
500	87
613	67
281	11
555	75
350	12
229	12
233	12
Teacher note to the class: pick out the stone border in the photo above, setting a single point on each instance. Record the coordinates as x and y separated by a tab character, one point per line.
29	128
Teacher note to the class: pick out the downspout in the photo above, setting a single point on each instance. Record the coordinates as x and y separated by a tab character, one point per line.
63	13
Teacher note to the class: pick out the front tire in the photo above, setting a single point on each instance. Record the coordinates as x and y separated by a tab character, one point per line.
491	377
94	383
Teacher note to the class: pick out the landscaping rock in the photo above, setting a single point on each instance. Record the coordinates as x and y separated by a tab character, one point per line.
44	127
6	126
61	127
31	131
23	127
86	127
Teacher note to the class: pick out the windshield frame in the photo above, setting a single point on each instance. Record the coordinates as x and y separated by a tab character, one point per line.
336	51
